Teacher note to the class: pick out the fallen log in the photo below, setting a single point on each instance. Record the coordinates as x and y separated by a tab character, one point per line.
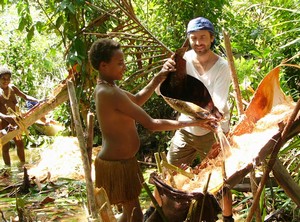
60	95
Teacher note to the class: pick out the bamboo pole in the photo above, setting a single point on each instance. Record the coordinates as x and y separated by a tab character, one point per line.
233	73
272	160
82	145
90	136
158	162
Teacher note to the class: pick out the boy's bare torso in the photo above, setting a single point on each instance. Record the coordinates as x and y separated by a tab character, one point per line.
120	139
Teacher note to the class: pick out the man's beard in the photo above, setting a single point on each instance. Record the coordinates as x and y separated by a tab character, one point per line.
203	51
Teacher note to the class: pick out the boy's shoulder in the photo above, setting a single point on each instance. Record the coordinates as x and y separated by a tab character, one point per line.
105	90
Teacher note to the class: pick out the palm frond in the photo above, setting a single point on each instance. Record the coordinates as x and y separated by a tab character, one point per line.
144	53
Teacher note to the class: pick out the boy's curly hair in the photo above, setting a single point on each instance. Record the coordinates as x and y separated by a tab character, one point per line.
102	50
4	70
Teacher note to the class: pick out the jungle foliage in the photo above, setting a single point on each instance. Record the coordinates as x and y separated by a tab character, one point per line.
262	36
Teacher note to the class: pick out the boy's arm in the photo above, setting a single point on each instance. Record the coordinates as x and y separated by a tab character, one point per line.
142	96
132	110
19	93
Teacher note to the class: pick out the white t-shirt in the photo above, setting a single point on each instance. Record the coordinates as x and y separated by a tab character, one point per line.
217	80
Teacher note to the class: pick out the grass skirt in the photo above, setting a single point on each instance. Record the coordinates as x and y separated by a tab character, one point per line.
120	179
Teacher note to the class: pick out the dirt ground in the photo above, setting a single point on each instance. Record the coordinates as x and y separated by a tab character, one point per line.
57	181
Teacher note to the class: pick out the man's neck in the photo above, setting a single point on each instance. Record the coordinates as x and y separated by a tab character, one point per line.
205	58
204	62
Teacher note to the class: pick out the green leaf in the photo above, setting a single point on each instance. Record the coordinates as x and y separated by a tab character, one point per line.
59	22
30	33
22	24
39	26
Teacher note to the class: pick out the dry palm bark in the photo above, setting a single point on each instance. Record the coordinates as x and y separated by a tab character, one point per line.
250	143
185	93
272	159
257	133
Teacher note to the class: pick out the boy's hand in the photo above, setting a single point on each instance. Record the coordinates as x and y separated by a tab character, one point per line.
210	123
168	66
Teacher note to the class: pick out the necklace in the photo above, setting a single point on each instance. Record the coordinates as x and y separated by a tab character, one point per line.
3	94
101	81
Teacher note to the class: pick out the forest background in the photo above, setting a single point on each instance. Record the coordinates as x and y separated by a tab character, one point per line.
42	40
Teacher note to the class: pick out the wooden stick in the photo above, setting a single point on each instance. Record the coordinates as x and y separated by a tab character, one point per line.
157	160
253	184
90	135
205	194
82	146
233	73
286	182
238	95
272	161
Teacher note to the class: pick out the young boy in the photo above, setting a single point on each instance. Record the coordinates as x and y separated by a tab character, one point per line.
116	167
8	100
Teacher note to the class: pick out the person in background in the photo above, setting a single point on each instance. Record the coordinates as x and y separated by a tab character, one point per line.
118	111
213	71
8	108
